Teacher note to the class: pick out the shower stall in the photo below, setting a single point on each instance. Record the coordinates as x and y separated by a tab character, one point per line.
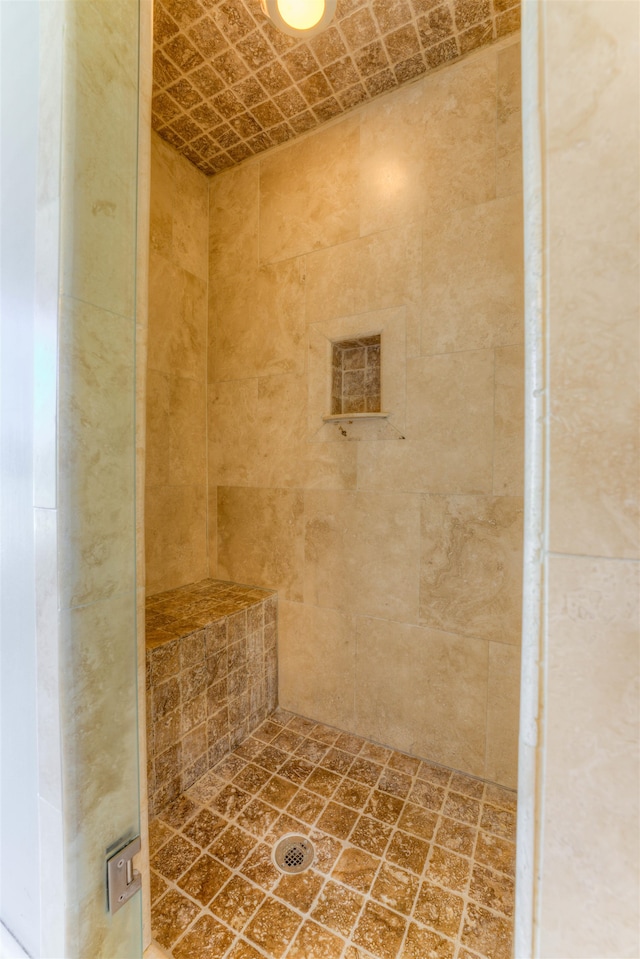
213	309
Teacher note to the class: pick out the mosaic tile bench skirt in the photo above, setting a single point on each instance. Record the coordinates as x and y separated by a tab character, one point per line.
212	677
411	860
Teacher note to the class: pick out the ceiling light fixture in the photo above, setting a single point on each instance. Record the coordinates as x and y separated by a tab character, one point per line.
300	18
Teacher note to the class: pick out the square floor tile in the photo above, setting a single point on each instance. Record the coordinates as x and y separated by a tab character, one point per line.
204	879
400	845
380	931
338	907
237	902
273	927
207	939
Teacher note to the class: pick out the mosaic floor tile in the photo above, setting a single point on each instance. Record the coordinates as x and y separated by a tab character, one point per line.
487	934
492	889
412	861
274	927
395	888
408	851
313	940
237	902
337	820
418	821
242	950
175	857
208	939
356	869
371	835
380	931
338	907
439	909
204	828
299	890
421	943
448	869
171	916
204	879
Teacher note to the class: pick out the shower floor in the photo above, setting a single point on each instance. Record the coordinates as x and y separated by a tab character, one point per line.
412	861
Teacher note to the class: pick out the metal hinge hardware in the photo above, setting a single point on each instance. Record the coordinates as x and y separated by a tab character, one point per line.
122	879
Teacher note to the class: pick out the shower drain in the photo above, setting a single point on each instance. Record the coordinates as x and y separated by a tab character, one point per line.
293	853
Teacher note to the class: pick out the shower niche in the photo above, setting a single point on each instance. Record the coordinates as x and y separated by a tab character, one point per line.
356	377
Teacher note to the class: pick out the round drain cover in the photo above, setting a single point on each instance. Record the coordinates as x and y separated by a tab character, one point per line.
293	853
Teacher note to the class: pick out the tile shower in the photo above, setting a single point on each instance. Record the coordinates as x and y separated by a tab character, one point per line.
395	558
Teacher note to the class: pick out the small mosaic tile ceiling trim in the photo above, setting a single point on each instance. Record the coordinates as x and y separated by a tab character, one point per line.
227	84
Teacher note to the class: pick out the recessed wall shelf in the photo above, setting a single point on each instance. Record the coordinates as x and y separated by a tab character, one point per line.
355	376
331	417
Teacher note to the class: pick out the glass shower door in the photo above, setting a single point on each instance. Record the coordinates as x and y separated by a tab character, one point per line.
96	469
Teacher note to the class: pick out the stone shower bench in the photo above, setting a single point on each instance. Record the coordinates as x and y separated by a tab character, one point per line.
211	674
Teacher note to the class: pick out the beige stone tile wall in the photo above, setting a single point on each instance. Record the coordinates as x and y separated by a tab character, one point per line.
176	502
395	548
584	817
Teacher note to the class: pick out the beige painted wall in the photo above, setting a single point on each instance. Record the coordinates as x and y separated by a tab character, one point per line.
396	549
176	475
585	819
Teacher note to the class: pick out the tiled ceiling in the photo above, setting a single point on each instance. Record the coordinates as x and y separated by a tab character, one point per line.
227	84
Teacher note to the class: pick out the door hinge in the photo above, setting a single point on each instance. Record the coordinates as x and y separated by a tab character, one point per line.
123	881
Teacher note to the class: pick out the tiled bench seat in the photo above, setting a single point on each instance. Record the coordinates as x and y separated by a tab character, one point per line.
211	667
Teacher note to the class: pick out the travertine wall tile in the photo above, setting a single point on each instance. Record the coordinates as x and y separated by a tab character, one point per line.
449	429
260	538
503	707
176	445
593	607
362	553
250	447
389	270
177	319
308	638
99	666
372	273
460	141
471	572
309	193
176	536
595	445
257	328
424	690
392	182
163	201
98	246
508	429
473	277
234	222
187	428
333	279
582	182
509	126
190	227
